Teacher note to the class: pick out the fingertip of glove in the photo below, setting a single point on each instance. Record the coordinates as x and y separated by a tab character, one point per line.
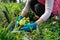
26	30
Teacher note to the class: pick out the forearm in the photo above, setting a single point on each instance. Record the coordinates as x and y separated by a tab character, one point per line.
24	11
44	17
39	21
26	8
48	11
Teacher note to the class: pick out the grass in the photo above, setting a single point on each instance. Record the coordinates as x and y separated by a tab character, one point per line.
45	31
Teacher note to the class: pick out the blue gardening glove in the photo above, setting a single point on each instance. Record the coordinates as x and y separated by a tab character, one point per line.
19	18
28	26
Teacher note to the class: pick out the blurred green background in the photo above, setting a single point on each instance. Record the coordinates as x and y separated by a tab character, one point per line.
45	31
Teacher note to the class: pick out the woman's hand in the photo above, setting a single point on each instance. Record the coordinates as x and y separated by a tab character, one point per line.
28	26
19	18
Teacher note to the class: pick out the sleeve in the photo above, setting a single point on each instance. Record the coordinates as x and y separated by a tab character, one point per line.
48	9
27	6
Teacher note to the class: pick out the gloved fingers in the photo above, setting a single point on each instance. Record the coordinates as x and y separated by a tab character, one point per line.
25	29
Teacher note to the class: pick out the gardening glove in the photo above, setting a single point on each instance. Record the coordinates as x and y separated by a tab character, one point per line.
28	26
19	18
16	24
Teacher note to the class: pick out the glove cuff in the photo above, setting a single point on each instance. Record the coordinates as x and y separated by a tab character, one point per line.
34	25
19	18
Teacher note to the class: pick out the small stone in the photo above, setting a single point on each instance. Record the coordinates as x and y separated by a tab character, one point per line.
54	22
